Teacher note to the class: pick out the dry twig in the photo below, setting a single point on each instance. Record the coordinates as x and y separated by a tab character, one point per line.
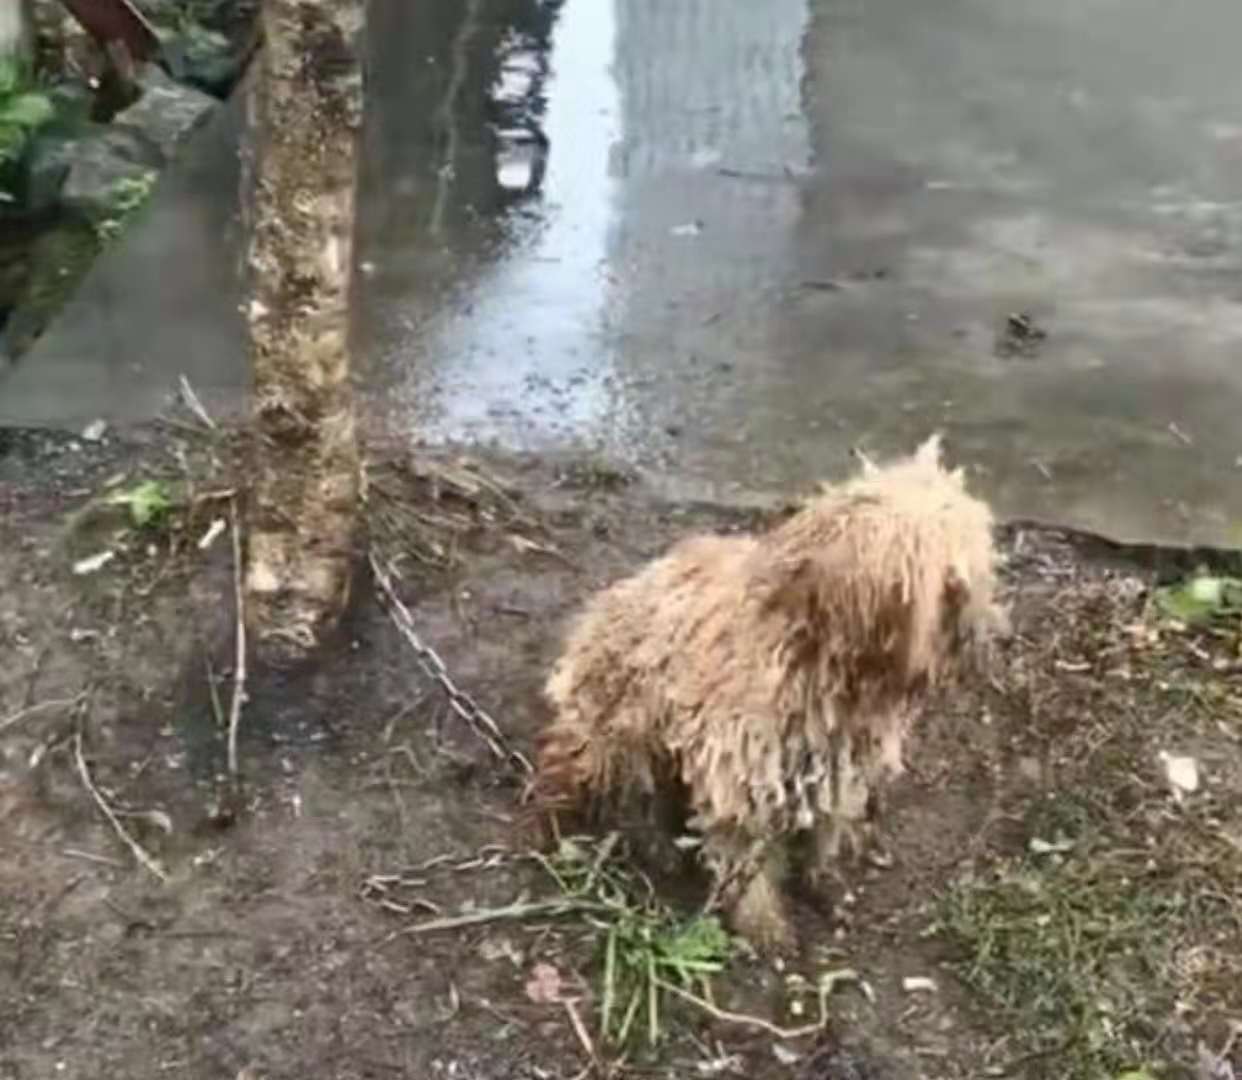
139	852
38	707
743	1020
191	401
530	910
239	664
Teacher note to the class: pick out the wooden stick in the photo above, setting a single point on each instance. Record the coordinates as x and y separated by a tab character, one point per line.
30	710
138	850
533	909
742	1019
239	664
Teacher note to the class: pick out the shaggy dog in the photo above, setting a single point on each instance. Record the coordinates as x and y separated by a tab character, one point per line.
773	679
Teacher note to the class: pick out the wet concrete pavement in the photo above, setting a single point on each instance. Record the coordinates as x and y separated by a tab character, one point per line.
729	240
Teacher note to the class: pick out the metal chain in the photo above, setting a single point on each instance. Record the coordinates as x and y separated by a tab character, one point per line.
462	704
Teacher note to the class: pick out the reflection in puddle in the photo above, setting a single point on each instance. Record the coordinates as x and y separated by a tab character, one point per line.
519	103
527	343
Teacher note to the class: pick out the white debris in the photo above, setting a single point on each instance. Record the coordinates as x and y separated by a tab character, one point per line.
1040	846
784	1054
1182	773
209	537
916	984
92	563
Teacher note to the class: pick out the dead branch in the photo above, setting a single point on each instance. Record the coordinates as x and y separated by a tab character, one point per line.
194	403
139	852
744	1020
38	707
239	663
519	911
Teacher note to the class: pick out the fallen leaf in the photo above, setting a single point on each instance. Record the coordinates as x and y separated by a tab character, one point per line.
544	985
784	1054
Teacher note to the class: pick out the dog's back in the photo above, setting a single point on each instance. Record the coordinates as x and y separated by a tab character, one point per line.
607	713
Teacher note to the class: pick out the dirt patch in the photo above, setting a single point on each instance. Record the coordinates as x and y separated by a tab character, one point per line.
1075	917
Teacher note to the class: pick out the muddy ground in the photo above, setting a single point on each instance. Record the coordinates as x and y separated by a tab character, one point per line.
1077	919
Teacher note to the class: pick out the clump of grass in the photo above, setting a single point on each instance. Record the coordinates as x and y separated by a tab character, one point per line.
1087	952
127	198
646	947
1073	953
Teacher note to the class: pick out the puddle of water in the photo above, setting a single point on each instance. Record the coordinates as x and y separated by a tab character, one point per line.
727	240
534	322
673	138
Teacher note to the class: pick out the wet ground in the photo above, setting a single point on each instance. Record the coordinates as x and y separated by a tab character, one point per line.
754	239
1075	918
728	241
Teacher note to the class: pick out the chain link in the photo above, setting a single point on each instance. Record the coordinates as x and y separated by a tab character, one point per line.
463	705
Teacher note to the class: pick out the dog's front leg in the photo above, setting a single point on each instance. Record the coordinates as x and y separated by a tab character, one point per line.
835	836
842	825
748	874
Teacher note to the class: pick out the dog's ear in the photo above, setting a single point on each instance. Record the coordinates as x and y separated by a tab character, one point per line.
869	467
929	453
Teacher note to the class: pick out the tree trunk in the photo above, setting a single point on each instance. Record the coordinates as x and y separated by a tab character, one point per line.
17	30
305	103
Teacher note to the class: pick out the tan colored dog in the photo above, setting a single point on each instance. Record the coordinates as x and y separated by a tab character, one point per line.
775	678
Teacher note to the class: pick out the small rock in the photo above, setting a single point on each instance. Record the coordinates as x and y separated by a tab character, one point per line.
1020	336
166	113
1030	769
87	171
95	430
204	59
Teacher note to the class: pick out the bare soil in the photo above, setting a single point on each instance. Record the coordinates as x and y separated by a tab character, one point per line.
279	945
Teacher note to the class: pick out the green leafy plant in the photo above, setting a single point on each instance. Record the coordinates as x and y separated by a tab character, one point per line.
24	109
647	949
128	197
147	502
1201	599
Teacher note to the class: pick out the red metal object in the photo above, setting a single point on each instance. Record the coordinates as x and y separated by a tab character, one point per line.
112	21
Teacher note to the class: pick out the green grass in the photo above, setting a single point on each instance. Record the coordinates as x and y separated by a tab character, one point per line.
1087	953
128	197
1073	955
645	946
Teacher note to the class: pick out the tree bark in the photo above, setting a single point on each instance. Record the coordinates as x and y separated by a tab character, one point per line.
305	109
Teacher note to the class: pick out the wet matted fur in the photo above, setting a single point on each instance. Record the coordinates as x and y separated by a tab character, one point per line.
775	677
